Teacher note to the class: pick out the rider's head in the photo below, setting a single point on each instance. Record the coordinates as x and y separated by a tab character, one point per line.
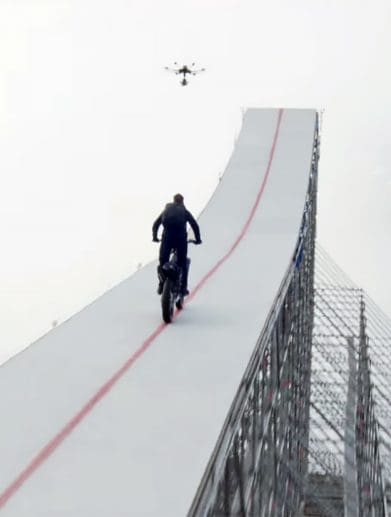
178	198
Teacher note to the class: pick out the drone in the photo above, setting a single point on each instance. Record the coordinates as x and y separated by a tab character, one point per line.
184	69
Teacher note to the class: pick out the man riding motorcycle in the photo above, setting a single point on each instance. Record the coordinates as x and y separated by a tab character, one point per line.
174	218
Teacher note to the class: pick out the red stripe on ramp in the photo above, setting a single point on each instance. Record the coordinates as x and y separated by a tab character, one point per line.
48	450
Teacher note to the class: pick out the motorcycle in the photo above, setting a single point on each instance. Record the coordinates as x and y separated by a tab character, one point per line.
171	275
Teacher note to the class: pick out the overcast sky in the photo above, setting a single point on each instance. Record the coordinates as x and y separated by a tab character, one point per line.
95	136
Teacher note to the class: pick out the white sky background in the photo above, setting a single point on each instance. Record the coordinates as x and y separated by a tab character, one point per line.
95	136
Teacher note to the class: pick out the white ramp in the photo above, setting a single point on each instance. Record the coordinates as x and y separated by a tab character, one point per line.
114	413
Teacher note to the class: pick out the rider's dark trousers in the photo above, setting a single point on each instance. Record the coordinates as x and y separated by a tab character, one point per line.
178	242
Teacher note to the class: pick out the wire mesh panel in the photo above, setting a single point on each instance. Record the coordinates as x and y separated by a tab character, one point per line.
350	407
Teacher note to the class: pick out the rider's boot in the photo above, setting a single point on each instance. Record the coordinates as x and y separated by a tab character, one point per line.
161	281
184	289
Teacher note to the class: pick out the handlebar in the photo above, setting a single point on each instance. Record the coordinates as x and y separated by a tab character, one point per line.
190	241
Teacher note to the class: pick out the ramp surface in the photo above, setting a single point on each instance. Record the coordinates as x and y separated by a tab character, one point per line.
114	413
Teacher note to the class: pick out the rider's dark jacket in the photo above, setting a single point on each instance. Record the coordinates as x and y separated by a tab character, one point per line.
174	219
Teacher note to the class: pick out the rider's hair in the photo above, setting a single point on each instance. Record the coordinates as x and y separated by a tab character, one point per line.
178	198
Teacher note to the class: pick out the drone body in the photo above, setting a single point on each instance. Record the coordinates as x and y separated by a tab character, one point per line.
184	70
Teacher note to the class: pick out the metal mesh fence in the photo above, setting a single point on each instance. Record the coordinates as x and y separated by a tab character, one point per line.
351	352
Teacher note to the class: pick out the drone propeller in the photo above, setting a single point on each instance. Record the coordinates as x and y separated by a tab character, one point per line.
174	70
194	72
